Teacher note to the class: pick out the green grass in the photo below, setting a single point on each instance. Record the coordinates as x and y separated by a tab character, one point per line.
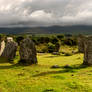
43	78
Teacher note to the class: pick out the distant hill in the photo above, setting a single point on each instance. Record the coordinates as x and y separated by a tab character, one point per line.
48	30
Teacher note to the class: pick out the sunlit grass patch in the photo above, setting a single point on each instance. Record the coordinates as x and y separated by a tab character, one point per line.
71	76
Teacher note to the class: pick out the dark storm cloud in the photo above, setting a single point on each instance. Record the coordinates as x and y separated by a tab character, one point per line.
45	12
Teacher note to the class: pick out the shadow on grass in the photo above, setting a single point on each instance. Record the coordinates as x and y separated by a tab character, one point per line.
13	66
64	69
71	69
77	66
3	60
9	66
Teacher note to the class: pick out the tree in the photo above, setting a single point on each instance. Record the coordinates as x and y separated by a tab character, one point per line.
19	39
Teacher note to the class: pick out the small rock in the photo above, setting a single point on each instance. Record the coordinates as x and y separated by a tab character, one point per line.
72	75
66	66
48	90
55	66
56	53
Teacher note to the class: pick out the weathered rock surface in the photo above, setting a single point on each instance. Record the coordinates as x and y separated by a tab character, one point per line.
9	39
85	46
10	50
88	51
28	52
2	47
81	40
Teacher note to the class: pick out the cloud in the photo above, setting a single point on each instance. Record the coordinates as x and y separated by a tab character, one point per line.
45	12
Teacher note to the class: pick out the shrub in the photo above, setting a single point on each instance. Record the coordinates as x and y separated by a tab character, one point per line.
70	41
54	40
35	40
57	47
51	47
42	48
60	36
46	39
19	39
2	37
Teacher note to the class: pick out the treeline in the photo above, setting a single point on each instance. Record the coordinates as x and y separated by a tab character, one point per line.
50	43
46	43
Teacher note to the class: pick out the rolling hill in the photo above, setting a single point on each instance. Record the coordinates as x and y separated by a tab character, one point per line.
81	29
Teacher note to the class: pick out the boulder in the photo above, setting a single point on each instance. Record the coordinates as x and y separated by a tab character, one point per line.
10	50
28	52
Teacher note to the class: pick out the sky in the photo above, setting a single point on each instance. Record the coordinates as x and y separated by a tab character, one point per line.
34	13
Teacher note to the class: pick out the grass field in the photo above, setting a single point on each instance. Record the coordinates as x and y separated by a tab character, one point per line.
43	78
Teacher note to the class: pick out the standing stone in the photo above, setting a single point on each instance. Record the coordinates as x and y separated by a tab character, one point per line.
88	51
28	52
2	47
9	39
81	40
10	50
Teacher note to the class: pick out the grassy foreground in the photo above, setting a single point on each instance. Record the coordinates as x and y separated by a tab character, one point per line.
42	78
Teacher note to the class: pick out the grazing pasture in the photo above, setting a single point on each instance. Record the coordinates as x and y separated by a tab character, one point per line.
71	76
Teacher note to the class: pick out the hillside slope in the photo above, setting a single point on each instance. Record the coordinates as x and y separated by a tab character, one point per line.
48	30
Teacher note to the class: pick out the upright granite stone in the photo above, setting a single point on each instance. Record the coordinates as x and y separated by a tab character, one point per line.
10	50
81	40
9	39
2	47
28	52
88	51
